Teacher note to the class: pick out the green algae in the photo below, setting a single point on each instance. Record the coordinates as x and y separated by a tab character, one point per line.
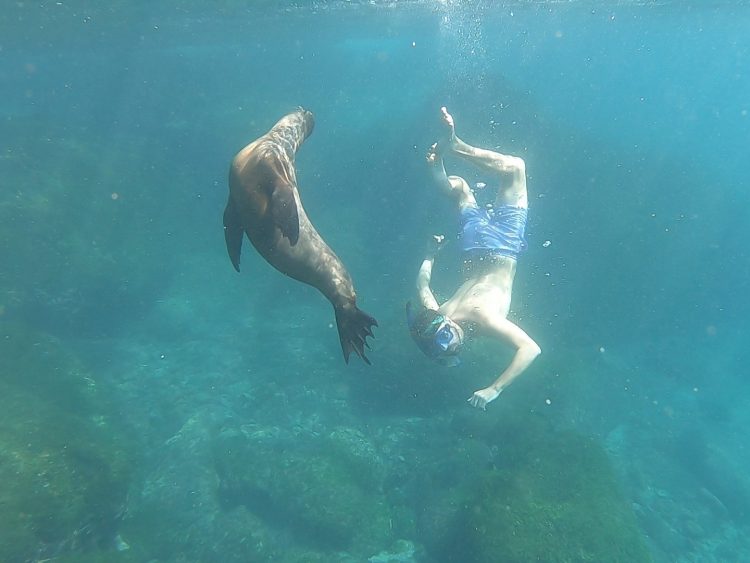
63	471
552	497
309	488
105	556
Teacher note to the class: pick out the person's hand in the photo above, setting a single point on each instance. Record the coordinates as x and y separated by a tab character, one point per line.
435	244
480	398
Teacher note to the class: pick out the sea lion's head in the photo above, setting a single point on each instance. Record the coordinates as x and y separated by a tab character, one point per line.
294	128
307	121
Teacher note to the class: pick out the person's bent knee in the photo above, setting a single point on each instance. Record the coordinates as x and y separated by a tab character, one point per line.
517	165
509	164
534	349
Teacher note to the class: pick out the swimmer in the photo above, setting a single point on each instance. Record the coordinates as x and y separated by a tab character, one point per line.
491	242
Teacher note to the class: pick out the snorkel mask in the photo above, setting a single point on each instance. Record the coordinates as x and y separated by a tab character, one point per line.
435	335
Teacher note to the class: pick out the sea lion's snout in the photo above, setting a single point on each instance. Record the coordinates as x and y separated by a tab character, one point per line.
308	121
300	121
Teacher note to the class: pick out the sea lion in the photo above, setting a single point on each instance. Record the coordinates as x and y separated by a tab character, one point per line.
264	203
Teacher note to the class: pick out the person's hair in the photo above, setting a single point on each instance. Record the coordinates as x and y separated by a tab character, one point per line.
420	324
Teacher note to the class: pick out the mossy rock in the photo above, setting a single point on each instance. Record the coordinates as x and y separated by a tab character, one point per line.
554	498
232	536
355	451
105	556
307	487
63	471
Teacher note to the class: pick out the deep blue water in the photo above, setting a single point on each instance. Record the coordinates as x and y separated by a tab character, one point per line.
117	128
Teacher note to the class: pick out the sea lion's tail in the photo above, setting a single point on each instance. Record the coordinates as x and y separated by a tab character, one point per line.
354	327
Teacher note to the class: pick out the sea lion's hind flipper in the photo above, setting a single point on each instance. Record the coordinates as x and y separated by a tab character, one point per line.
233	233
284	211
354	327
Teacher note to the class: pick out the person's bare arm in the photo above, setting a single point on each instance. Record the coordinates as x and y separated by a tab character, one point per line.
526	352
426	297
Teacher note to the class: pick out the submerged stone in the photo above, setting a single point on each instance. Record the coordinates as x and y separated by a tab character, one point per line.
63	466
315	489
551	496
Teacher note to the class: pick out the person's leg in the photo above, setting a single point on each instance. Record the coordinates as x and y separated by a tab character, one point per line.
453	186
491	161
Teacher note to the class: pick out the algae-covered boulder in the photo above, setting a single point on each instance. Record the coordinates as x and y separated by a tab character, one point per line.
175	514
552	496
63	472
224	492
324	490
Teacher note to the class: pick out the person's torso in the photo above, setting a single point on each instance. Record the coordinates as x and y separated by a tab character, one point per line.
486	294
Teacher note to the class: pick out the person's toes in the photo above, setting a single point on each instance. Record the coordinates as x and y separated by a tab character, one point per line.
432	152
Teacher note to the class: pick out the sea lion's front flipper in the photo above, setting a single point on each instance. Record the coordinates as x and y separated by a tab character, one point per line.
354	327
233	233
284	211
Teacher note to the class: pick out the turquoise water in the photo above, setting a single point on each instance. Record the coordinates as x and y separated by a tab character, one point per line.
158	406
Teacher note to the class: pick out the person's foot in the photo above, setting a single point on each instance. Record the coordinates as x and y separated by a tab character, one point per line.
450	126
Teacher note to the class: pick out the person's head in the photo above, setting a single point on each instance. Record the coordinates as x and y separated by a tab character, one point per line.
439	337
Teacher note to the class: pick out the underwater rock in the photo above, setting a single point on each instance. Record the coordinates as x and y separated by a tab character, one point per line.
402	551
306	487
660	532
64	468
353	448
550	496
219	486
717	508
176	515
721	478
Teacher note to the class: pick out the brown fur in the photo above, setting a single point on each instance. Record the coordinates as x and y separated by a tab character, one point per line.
265	205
